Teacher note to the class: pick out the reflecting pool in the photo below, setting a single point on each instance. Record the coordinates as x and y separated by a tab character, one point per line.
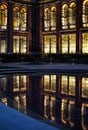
59	98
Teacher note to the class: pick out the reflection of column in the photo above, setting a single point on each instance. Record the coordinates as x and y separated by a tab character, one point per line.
77	124
9	91
58	100
78	104
78	89
58	110
35	93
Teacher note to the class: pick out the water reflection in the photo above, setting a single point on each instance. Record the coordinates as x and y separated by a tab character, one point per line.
61	98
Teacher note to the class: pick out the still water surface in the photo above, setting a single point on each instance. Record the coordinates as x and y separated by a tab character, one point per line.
58	98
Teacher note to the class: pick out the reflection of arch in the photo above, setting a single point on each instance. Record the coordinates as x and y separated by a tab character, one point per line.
84	113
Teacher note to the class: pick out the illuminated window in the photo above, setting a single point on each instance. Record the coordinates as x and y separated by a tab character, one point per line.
65	16
69	43
85	13
16	19
68	85
47	19
3	16
50	83
69	16
72	15
3	44
49	44
19	44
85	87
23	18
53	18
84	43
50	19
19	18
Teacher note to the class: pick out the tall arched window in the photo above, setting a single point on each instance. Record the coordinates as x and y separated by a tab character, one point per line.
19	18
16	13
53	18
23	16
3	16
65	16
46	19
72	15
85	13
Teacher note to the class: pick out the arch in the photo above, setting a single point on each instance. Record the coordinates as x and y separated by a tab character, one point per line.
72	15
65	16
85	13
3	16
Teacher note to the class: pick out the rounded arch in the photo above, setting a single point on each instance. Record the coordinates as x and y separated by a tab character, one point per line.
23	9
16	8
3	5
64	6
72	5
53	8
85	1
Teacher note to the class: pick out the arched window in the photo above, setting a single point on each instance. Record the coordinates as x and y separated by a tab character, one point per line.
16	20
19	18
46	19
72	15
53	18
23	17
65	16
85	13
3	16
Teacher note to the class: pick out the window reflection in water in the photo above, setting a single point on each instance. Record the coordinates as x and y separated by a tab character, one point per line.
19	83
3	83
67	111
50	83
68	85
49	107
84	113
57	96
4	100
85	87
20	102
